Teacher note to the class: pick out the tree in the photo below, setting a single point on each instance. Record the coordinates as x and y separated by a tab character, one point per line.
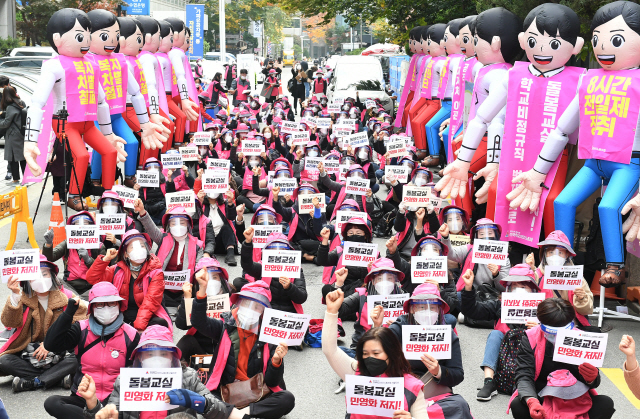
32	20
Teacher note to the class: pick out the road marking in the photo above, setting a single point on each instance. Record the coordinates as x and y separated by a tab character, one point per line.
617	377
6	221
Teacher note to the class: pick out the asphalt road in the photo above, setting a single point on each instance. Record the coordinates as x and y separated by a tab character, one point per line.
307	373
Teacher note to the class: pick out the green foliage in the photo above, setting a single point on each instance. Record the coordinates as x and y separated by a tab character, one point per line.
33	18
355	51
207	47
7	44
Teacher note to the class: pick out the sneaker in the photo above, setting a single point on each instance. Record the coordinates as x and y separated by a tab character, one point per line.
8	176
341	387
23	384
460	318
230	259
66	382
487	391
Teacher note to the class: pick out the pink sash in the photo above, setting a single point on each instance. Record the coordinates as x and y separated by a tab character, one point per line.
609	102
534	105
139	76
444	74
405	90
113	75
162	97
463	75
420	80
81	88
427	78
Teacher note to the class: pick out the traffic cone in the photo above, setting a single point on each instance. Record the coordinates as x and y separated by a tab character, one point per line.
57	221
609	293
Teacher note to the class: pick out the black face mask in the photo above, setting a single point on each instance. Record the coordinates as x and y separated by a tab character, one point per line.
375	366
357	239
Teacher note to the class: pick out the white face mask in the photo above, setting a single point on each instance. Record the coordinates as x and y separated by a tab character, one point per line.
520	290
213	195
253	163
178	231
110	209
313	153
555	260
267	135
363	155
430	254
247	318
138	255
243	77
156	362
420	182
106	315
213	287
384	287
426	317
41	285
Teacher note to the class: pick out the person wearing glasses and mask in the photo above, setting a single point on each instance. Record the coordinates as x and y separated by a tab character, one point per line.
77	262
103	344
456	218
111	203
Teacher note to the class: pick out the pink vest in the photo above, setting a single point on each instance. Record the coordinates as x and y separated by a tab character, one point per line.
138	74
328	272
162	97
103	361
318	86
240	94
342	196
75	265
247	179
468	264
463	75
166	88
166	247
412	385
475	101
81	84
409	84
113	74
202	229
609	104
444	74
534	105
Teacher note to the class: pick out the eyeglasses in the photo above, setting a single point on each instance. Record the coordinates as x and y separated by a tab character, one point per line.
107	304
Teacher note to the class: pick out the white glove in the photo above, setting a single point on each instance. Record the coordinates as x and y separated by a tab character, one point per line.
489	172
527	194
454	181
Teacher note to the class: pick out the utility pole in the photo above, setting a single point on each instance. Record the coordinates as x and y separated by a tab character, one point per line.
223	37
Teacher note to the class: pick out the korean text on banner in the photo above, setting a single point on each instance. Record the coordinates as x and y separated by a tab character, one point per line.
333	109
289	127
287	186
111	223
563	277
518	308
202	138
176	279
432	340
392	305
425	267
323	122
356	140
359	254
218	164
186	199
331	166
195	22
576	346
400	172
281	326
375	396
459	240
300	138
305	202
171	161
252	147
148	178
82	237
189	153
128	195
490	251
357	186
215	181
416	196
144	390
281	263
396	147
23	263
216	305
261	233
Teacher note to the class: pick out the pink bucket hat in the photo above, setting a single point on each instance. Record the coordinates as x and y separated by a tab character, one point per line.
268	208
104	292
212	263
176	211
520	273
383	264
358	222
131	234
563	385
158	335
258	291
426	291
555	238
110	195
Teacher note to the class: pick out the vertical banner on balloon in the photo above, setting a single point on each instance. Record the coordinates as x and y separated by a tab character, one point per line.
195	22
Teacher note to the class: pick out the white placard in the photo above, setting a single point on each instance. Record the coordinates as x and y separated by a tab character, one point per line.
359	254
518	308
432	340
286	185
490	251
252	147
374	396
143	390
416	196
171	161
185	199
311	164
359	139
270	175
357	186
148	178
215	181
563	277
424	267
82	237
337	101
23	263
261	233
278	263
282	326
342	131
392	304
576	347
312	121
289	127
342	217
128	195
331	166
323	122
300	138
111	223
344	168
218	164
176	279
333	109
305	203
216	305
189	153
370	103
202	138
401	173
396	147
459	240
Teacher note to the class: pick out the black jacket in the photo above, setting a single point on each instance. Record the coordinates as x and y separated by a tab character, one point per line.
355	277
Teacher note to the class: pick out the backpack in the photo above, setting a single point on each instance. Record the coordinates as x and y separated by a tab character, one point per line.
384	225
23	119
505	377
290	85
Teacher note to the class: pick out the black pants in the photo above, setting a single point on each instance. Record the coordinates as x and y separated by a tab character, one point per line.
308	246
173	298
67	407
274	406
12	364
15	168
80	286
602	408
59	186
226	238
248	204
189	346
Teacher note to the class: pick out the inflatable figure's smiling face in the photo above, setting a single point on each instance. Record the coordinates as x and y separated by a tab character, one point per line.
105	41
616	45
74	43
465	39
547	52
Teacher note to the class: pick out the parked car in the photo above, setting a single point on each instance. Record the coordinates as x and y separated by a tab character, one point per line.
32	51
22	61
356	73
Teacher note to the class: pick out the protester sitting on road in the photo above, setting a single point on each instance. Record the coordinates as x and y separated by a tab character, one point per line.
31	309
111	203
378	353
154	197
156	350
76	261
240	356
138	277
103	344
630	366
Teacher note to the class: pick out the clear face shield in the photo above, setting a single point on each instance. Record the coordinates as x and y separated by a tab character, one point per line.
249	314
347	160
430	249
153	166
555	255
265	218
363	154
228	137
288	140
312	152
305	191
550	332
384	282
487	232
346	106
214	286
110	206
178	226
307	113
254	162
82	220
426	312
154	356
283	174
421	178
279	246
406	162
357	173
454	220
137	250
